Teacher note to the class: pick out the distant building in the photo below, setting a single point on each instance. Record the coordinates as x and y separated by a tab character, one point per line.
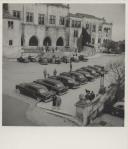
33	26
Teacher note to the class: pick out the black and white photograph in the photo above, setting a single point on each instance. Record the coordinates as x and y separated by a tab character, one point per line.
63	64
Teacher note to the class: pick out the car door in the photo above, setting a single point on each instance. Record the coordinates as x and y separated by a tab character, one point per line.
32	92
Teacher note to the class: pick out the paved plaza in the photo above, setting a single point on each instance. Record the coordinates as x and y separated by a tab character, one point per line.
15	73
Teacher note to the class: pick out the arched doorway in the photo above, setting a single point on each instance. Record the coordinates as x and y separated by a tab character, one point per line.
33	41
59	42
47	41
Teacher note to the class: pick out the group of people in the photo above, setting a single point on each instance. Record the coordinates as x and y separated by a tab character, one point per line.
46	74
90	95
87	96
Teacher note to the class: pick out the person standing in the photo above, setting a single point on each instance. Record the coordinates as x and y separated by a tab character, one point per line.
55	72
45	73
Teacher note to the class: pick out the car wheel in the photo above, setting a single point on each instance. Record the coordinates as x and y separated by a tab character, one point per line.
38	99
18	91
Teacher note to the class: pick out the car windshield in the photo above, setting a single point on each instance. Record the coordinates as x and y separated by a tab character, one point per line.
71	81
43	90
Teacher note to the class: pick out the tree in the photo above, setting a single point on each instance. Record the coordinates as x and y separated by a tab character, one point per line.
117	76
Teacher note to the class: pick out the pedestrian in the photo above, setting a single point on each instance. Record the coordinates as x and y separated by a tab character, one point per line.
55	72
45	73
54	101
48	75
58	102
70	65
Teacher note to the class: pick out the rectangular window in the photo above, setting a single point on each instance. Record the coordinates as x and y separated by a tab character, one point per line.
67	23
75	33
73	23
87	26
10	42
78	24
61	22
99	40
94	28
52	19
41	19
16	14
10	24
29	17
100	28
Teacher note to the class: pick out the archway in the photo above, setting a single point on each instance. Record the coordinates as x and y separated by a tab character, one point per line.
59	42
47	41
33	41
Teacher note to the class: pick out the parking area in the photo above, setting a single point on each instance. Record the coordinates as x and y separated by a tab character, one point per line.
15	73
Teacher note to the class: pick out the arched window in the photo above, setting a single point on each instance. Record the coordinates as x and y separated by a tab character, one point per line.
33	41
59	42
47	41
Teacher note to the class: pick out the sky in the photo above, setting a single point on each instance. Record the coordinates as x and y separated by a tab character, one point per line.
114	13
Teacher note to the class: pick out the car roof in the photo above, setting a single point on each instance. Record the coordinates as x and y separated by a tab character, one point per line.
36	85
65	77
53	80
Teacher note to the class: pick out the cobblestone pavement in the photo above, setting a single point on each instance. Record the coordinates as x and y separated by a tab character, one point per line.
15	73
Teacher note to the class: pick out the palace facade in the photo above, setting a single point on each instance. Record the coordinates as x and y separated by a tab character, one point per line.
32	26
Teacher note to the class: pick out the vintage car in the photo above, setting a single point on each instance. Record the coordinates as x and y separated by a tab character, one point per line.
92	72
75	59
67	81
54	60
100	72
23	59
83	58
86	74
32	59
43	61
53	85
76	76
36	91
65	59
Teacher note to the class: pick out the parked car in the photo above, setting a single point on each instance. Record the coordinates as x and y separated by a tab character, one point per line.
92	72
100	72
86	74
83	58
76	76
54	60
36	91
32	59
75	59
53	85
43	61
116	109
65	59
67	81
23	59
101	68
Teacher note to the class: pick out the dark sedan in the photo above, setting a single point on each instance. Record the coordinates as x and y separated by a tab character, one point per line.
31	59
92	72
76	76
67	81
86	74
23	59
100	72
83	58
53	85
36	91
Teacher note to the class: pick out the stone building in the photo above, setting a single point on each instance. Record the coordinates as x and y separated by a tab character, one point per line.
36	26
